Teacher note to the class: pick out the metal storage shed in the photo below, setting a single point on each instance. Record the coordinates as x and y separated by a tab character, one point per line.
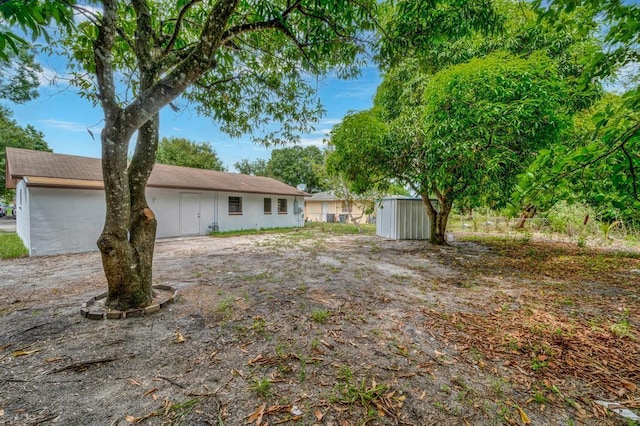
403	218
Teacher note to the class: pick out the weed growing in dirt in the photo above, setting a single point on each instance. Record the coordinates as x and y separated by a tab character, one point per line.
226	307
347	391
345	374
259	325
320	316
538	364
498	385
540	398
281	351
302	374
566	301
261	386
476	355
315	342
622	329
440	406
11	246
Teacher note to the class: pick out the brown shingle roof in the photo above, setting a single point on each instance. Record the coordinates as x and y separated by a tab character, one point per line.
59	170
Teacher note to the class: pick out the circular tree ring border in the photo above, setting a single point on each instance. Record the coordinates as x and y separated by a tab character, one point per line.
86	310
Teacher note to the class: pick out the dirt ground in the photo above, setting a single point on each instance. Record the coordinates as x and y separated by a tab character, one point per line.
312	327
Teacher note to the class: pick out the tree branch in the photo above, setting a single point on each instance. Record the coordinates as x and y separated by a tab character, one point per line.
178	26
200	60
211	86
104	58
143	36
255	26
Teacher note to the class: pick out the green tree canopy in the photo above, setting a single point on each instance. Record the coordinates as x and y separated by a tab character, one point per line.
18	69
357	154
32	17
19	75
463	134
594	164
183	152
15	136
247	167
604	154
410	28
297	165
292	165
481	123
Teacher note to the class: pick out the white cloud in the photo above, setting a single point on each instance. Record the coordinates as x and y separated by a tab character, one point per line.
70	126
48	77
330	121
309	141
358	90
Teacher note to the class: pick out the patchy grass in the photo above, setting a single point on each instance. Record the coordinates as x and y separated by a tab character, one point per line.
11	246
341	228
320	316
309	229
261	231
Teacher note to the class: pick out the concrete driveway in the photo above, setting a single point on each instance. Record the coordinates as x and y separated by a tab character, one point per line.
7	225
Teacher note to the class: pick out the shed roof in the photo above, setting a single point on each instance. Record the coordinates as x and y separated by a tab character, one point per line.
46	169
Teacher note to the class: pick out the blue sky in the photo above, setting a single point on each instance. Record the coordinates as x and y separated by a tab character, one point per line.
65	117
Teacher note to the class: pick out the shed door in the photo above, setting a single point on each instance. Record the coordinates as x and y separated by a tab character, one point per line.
189	214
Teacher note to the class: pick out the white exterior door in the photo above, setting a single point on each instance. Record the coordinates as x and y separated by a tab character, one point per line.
189	214
325	210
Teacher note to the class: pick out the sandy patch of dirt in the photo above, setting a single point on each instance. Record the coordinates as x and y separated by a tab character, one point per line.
315	328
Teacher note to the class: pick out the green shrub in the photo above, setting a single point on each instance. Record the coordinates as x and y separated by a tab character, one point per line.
569	219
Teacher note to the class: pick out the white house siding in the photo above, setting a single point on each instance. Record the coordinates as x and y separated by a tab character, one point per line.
71	220
403	219
65	220
22	215
165	204
253	216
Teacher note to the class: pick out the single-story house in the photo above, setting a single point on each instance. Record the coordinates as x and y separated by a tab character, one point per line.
327	207
61	204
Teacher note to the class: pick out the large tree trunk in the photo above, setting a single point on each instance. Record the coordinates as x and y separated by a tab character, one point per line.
128	238
117	258
439	217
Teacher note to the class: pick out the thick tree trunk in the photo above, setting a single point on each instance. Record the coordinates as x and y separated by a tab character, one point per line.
117	257
439	218
142	235
128	238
